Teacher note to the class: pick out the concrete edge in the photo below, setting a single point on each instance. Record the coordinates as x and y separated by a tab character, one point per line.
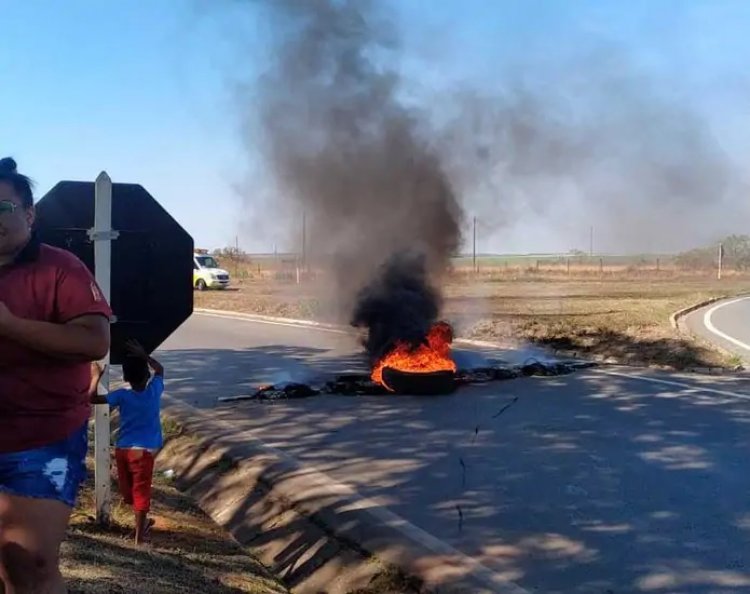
710	344
600	359
371	537
347	330
674	319
271	319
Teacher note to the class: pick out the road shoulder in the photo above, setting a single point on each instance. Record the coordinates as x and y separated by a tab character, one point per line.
315	534
188	553
698	323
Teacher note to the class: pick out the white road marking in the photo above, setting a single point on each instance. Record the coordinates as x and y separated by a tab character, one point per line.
708	323
269	321
674	384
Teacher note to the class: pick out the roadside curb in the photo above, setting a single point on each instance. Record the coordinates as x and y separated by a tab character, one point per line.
317	535
562	353
340	329
674	319
221	313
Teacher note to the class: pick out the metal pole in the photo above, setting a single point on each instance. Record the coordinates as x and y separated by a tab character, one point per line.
474	256
102	236
304	240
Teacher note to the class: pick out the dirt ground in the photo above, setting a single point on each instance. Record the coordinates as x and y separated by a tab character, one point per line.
187	554
616	314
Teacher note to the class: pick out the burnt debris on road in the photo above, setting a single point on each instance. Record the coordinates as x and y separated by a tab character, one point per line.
362	384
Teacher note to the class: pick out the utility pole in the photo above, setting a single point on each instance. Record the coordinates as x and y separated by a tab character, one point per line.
591	241
474	251
236	256
304	240
721	260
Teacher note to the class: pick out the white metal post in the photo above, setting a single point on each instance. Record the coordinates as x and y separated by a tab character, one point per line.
102	237
474	249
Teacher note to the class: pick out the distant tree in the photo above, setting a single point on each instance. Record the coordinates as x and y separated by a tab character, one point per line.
231	253
736	254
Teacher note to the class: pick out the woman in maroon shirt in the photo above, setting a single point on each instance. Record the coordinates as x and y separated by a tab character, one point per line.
54	322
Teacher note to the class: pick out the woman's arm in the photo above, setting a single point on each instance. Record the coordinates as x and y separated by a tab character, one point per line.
83	339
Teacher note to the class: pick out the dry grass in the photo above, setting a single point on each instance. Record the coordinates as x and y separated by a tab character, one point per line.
625	318
188	553
621	313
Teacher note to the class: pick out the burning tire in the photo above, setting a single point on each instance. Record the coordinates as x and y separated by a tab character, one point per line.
433	383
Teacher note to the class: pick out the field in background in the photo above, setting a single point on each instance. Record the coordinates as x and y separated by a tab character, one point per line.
285	266
618	307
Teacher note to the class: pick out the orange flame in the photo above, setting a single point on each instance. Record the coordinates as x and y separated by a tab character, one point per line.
426	358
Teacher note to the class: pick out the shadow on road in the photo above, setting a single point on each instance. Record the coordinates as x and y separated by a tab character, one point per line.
591	483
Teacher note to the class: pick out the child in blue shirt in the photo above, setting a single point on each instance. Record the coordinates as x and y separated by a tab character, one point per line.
140	436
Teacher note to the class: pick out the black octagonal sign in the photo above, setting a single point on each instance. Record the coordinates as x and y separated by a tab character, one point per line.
152	259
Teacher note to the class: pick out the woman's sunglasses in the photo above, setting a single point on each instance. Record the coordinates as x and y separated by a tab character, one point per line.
7	207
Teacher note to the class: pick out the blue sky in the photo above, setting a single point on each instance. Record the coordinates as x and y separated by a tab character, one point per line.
146	90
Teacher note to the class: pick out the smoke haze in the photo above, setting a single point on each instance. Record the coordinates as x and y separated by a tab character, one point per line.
594	143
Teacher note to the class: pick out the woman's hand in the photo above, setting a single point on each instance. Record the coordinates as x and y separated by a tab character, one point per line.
7	319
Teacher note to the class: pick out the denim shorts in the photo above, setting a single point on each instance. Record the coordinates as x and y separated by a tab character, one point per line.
54	471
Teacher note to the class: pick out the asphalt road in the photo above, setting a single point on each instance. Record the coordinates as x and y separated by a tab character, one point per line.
594	482
726	324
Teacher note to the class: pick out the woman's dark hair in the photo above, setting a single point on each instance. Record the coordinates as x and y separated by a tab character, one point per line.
21	184
134	370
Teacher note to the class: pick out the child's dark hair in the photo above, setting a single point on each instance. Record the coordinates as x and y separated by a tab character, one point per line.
135	370
21	184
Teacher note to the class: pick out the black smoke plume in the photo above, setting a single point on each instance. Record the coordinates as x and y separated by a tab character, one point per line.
382	216
399	304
